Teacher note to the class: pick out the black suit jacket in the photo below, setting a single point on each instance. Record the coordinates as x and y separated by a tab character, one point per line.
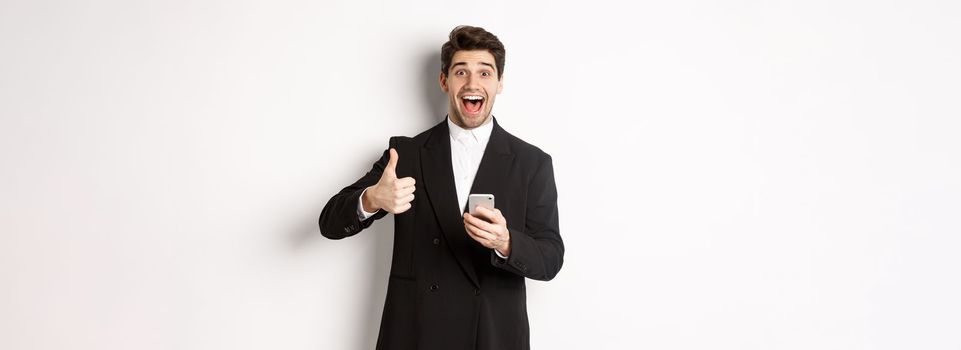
445	290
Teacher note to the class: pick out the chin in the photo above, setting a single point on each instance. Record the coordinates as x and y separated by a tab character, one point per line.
473	122
469	122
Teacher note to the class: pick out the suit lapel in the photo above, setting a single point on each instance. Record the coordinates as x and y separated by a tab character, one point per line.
494	165
439	182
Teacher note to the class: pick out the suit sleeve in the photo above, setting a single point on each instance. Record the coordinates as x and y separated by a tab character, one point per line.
537	251
339	218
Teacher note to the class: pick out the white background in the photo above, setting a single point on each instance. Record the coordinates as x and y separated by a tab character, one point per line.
732	175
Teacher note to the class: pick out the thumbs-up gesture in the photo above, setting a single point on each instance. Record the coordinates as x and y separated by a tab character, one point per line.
390	193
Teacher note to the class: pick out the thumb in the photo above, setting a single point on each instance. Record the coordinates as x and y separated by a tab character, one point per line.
392	163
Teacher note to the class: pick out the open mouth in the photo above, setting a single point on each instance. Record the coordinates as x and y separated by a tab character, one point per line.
472	103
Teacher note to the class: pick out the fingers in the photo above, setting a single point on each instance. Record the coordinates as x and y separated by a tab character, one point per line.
400	204
404	187
480	235
402	208
482	212
395	194
480	223
392	163
493	216
404	182
486	239
490	235
403	192
499	218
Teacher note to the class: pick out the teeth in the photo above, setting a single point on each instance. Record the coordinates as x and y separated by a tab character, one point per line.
474	98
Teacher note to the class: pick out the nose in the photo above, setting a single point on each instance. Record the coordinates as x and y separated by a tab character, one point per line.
470	82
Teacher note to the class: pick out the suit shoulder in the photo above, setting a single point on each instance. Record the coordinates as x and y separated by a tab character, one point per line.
416	140
526	149
422	137
396	141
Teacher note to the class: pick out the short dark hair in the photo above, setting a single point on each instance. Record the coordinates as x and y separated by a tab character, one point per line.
472	38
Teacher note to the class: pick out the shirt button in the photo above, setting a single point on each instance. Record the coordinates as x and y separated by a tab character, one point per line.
436	241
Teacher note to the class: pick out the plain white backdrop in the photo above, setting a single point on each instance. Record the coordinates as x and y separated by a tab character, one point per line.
732	175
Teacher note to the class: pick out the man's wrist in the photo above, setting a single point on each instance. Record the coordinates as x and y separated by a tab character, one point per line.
366	202
504	251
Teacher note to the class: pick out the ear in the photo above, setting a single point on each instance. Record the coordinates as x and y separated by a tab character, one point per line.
500	85
443	82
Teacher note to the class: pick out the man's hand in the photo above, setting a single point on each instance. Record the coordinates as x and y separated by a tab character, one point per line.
489	228
390	193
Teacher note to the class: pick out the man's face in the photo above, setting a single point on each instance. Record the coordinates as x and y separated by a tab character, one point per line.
471	85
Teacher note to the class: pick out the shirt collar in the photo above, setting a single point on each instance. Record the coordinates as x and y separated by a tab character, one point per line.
481	133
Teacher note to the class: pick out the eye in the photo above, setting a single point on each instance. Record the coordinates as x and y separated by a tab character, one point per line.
486	74
460	72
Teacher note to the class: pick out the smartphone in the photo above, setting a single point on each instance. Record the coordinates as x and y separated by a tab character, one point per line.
484	200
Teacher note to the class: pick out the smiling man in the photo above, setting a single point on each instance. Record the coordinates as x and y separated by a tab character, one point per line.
457	281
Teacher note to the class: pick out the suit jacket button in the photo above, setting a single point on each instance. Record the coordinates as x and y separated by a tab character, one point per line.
436	241
476	291
433	287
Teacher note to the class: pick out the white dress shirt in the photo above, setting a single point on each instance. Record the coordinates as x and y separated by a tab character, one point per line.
466	151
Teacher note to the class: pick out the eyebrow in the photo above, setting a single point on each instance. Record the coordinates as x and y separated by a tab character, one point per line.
465	63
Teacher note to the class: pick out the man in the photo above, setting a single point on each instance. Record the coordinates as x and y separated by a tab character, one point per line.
457	281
